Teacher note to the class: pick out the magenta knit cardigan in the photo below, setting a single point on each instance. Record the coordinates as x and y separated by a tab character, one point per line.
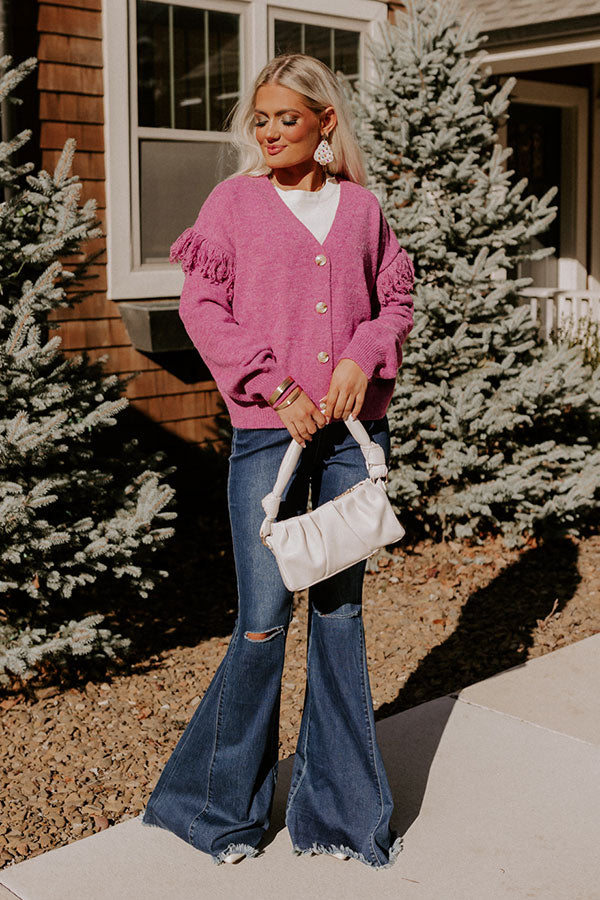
263	299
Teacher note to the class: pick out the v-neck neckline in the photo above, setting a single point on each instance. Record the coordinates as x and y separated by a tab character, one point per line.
280	202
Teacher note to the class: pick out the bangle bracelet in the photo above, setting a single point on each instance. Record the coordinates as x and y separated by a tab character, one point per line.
290	399
280	389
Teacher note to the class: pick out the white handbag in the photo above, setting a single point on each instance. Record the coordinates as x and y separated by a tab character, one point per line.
337	534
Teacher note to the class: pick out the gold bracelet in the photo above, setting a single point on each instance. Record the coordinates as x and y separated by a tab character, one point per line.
280	389
290	398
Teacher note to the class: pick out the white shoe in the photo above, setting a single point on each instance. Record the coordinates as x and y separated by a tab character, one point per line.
341	855
233	857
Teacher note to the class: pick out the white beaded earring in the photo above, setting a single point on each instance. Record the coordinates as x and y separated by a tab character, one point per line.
323	154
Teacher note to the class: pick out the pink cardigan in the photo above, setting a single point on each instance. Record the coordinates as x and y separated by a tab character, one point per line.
263	299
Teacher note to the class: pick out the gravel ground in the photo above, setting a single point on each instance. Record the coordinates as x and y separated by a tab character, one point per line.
437	618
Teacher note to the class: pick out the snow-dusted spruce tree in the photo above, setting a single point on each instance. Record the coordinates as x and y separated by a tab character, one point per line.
74	506
493	431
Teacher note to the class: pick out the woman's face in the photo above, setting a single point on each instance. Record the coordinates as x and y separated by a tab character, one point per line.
283	123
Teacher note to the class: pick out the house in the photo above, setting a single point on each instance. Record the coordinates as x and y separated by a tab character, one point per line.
553	50
144	87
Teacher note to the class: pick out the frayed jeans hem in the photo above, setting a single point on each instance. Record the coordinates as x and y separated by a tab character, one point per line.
332	848
247	849
235	848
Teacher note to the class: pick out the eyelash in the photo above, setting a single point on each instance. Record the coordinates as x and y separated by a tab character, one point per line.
259	124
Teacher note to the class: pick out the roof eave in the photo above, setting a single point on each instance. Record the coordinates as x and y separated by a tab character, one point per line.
543	32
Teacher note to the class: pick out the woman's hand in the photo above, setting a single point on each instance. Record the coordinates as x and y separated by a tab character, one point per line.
302	418
347	390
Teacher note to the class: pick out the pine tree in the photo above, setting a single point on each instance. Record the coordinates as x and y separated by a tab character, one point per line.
493	431
75	507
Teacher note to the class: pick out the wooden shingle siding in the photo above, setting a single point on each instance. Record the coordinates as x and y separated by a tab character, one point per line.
78	334
196	431
77	79
71	105
392	7
94	307
156	381
74	20
128	360
86	165
72	51
79	4
88	137
67	107
172	407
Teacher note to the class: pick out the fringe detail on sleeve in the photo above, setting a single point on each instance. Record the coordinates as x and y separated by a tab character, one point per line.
397	278
198	253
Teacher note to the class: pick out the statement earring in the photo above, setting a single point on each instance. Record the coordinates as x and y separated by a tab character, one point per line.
323	154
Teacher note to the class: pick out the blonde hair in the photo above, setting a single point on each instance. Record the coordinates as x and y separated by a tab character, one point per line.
319	88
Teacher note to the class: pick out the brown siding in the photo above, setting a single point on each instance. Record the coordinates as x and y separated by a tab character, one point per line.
67	107
392	7
70	87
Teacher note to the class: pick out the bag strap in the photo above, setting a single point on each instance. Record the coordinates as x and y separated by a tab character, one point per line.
373	453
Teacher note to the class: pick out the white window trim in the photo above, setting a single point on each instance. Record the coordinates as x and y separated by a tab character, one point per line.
124	280
594	273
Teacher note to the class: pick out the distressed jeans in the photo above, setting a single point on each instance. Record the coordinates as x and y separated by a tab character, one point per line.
216	789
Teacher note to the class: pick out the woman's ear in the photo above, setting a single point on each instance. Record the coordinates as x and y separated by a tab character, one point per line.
328	119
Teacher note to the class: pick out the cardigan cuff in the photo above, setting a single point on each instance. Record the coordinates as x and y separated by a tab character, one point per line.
264	383
366	352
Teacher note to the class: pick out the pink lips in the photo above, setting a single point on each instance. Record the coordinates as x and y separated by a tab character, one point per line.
274	150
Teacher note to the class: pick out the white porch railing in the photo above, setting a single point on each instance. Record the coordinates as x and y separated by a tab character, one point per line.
552	308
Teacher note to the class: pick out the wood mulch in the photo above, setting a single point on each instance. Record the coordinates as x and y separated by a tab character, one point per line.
437	618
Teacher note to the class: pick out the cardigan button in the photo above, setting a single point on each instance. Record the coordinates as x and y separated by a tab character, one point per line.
321	307
323	356
320	259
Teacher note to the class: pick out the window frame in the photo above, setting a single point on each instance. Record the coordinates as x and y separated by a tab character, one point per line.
572	196
326	21
127	277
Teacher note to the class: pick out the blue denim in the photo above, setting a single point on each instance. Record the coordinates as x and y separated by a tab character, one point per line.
216	789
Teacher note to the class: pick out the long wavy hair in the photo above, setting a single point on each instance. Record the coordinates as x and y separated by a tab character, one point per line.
319	88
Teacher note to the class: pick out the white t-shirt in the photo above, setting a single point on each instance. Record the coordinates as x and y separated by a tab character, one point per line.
315	209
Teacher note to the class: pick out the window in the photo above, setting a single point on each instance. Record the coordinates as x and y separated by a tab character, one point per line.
172	73
188	66
187	60
339	48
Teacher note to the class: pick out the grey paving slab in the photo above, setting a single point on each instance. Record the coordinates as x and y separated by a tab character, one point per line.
490	806
5	894
560	690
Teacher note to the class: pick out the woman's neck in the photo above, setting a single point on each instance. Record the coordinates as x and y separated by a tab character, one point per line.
315	183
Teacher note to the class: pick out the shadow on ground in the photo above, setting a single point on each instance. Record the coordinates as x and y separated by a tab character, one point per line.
496	625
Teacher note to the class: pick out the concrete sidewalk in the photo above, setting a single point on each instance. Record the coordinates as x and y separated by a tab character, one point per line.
497	794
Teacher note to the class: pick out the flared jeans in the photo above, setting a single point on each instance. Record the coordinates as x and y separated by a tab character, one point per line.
216	789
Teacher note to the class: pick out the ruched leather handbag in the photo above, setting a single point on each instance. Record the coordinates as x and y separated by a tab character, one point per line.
339	533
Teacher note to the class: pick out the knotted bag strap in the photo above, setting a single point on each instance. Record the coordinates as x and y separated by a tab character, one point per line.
373	453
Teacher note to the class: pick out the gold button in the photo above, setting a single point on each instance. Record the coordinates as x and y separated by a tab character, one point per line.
323	356
321	307
320	259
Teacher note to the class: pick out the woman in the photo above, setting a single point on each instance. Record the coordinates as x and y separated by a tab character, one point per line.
297	296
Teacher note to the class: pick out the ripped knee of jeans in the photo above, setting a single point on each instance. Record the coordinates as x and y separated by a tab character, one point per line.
340	613
261	636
